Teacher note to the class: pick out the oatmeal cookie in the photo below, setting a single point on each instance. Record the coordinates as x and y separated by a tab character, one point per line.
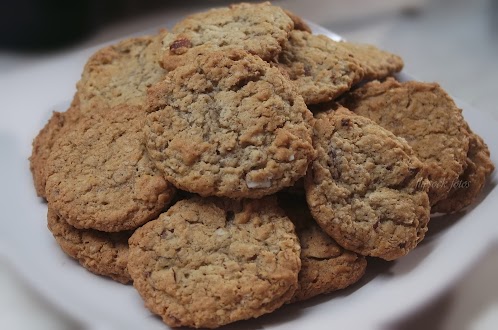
101	253
44	141
115	75
260	29
375	62
466	189
325	266
121	73
229	124
210	262
99	174
320	68
427	118
366	188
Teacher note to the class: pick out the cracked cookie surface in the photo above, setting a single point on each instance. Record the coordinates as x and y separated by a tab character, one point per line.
100	177
101	253
210	262
366	188
228	124
320	68
325	266
260	29
427	118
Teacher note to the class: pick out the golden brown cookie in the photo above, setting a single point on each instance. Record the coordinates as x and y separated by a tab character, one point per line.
121	73
114	75
228	124
467	188
366	188
260	29
101	253
375	62
43	142
99	174
320	68
325	266
427	118
210	262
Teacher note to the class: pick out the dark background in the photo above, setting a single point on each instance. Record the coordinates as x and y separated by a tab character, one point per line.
49	24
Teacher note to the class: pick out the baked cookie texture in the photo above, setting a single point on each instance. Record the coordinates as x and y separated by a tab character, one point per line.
99	174
366	188
220	107
209	262
260	29
325	265
427	118
320	68
469	185
101	253
44	141
120	74
115	75
228	124
376	63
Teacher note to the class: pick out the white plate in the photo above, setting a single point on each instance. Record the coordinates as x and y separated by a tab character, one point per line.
388	290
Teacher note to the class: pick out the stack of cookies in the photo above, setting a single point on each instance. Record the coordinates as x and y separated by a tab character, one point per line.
239	162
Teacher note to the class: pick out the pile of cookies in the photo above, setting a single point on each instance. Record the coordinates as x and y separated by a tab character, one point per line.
239	162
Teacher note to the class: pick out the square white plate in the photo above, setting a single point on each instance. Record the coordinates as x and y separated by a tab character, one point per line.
388	290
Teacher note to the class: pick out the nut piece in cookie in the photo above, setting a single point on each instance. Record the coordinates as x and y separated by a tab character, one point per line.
99	174
101	253
321	69
260	29
467	188
325	266
210	262
366	188
228	124
120	74
427	118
